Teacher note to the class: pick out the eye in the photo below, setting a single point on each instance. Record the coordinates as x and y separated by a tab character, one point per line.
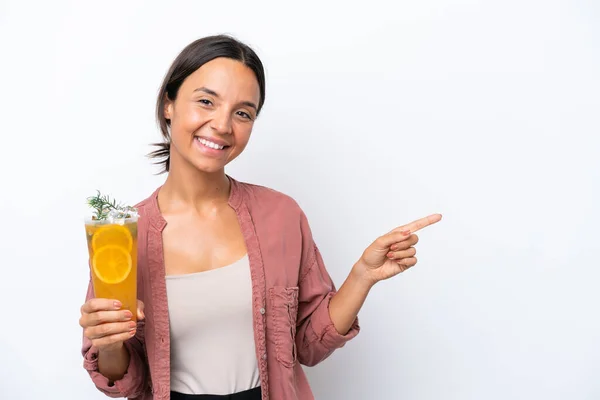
205	102
244	115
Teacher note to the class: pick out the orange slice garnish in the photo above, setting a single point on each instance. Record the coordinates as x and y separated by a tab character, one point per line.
112	264
112	235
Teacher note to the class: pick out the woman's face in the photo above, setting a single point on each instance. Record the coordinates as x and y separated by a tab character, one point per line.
213	114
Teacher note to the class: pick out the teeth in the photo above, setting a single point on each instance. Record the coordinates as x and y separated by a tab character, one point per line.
210	144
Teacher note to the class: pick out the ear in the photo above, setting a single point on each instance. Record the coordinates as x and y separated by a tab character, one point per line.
168	111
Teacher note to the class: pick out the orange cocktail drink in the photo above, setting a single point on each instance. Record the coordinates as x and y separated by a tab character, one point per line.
112	245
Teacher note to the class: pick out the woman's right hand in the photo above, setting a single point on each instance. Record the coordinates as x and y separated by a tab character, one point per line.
106	325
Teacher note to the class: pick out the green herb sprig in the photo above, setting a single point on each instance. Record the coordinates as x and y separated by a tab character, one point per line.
103	205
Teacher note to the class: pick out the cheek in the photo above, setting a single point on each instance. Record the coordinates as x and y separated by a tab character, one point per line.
189	119
242	136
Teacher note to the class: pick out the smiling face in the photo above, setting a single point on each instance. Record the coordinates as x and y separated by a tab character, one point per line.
213	115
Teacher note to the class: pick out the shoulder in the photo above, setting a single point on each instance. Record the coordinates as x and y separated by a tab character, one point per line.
260	198
148	206
277	217
263	196
143	205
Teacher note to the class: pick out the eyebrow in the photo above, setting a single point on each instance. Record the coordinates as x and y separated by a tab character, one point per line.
215	94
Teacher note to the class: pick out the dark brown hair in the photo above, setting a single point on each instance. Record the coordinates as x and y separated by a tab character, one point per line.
192	57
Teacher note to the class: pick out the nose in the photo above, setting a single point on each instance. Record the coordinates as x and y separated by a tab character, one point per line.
221	121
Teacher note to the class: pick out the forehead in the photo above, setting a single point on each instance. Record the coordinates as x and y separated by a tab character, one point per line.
229	78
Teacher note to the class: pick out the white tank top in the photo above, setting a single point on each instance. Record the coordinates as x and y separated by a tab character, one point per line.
211	327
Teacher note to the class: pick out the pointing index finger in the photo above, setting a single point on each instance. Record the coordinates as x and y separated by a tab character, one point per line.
421	223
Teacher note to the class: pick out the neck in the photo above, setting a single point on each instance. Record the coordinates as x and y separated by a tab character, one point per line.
188	187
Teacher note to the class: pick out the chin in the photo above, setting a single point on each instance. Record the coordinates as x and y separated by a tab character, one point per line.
202	163
208	167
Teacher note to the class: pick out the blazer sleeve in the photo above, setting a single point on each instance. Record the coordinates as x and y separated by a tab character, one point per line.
134	381
316	336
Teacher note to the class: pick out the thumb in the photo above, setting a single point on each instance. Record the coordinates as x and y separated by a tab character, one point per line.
140	310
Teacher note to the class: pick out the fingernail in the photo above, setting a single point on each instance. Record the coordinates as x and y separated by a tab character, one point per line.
132	325
117	304
405	233
128	315
394	247
390	255
132	332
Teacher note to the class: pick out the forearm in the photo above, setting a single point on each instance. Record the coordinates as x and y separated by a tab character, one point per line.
347	302
113	363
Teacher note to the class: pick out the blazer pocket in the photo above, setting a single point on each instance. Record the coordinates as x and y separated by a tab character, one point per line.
284	314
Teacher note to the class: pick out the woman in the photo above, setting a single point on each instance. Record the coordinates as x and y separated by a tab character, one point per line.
233	293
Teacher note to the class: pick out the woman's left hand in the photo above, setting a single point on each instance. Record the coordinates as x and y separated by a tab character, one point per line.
393	252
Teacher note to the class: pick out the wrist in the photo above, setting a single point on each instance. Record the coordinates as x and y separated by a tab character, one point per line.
113	361
361	276
115	348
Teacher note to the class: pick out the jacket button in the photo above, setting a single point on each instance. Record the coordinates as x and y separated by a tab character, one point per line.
262	311
265	356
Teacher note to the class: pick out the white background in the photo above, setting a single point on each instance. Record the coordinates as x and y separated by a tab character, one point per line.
376	114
